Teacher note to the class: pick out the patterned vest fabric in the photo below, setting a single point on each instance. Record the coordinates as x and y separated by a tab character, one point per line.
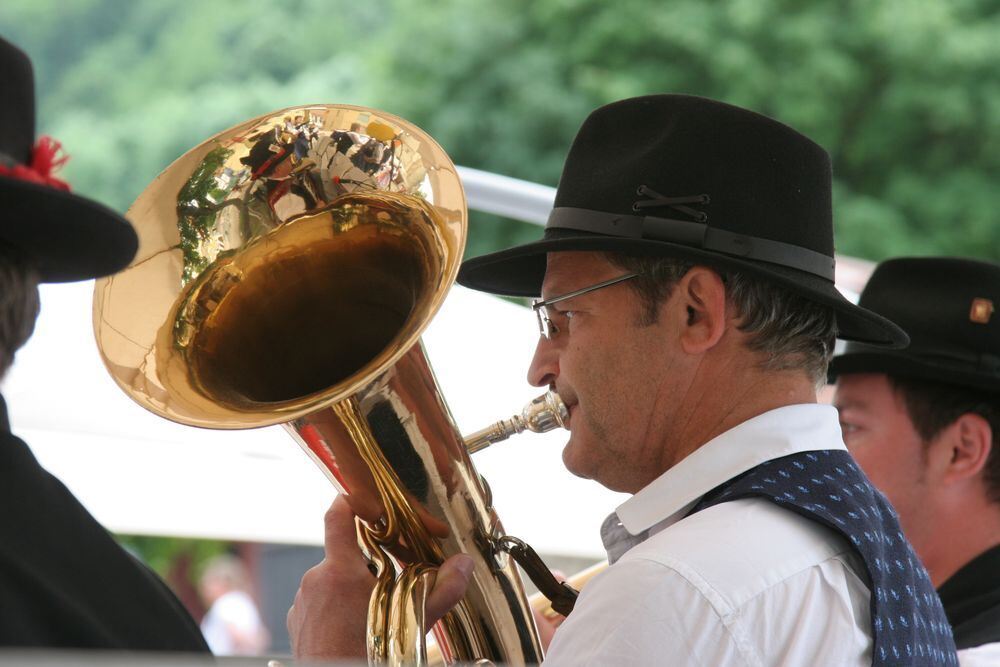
908	622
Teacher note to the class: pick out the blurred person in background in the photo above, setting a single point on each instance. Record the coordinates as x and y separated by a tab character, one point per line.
64	581
924	424
232	625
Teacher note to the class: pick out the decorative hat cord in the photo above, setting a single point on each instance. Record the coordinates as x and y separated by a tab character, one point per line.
676	203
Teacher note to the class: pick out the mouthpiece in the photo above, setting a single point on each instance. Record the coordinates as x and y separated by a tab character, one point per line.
542	414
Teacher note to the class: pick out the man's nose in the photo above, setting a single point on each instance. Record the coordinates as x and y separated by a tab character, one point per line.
544	368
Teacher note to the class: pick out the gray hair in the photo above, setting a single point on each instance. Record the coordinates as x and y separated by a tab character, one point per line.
791	331
19	304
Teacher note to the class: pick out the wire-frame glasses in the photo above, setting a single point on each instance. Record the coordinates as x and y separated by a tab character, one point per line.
545	325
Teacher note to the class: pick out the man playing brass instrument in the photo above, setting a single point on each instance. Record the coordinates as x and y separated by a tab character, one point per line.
688	313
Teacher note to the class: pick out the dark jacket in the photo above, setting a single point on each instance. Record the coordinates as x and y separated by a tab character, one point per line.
971	599
64	582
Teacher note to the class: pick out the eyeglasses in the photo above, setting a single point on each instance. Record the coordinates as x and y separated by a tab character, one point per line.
541	307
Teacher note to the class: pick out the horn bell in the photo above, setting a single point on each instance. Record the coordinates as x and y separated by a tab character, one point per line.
277	255
286	270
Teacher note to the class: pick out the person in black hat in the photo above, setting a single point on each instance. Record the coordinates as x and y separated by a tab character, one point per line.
64	582
687	315
924	424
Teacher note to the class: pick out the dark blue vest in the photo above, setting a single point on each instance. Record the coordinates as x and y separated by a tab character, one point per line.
908	622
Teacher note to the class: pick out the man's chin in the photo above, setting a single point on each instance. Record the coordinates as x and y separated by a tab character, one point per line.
573	461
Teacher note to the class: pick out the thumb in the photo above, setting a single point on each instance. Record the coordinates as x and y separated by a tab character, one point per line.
340	531
449	587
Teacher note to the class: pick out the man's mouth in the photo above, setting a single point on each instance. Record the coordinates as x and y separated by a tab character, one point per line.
570	402
570	409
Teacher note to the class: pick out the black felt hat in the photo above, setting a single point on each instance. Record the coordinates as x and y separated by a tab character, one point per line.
66	237
948	307
696	179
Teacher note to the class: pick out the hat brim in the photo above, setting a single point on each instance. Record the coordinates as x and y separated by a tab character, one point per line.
65	236
519	271
898	364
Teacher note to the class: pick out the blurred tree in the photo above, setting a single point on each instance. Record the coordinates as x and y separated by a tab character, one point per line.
904	93
160	553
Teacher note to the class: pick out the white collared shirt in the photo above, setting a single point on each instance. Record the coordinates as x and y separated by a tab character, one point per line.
740	583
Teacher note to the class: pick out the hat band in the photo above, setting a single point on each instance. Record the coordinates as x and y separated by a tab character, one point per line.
695	235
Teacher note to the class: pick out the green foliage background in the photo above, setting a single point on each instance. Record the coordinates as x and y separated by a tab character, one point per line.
161	553
905	94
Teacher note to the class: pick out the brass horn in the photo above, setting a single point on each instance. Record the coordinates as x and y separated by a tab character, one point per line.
286	270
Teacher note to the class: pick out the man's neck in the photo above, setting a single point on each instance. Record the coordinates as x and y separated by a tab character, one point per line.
731	400
960	538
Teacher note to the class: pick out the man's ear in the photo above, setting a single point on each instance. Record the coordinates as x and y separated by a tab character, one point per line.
702	294
969	440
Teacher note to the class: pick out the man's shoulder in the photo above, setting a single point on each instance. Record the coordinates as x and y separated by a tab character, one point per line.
742	548
745	582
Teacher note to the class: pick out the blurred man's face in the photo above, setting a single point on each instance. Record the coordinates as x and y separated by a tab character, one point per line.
881	437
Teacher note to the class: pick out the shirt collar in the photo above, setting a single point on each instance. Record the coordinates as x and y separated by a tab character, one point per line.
786	430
